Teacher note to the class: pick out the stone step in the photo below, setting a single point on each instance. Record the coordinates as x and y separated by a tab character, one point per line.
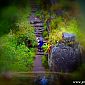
40	53
38	25
38	68
39	29
35	20
38	32
38	35
38	21
40	50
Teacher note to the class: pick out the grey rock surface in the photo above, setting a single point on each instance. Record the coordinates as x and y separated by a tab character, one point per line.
64	58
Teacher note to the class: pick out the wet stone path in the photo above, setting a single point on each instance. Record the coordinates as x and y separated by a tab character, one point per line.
38	26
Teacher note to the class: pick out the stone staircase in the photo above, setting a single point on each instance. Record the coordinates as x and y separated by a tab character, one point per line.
38	26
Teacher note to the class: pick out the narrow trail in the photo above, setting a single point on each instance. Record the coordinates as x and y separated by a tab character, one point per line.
38	26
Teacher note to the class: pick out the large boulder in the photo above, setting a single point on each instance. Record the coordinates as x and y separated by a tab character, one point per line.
68	37
64	58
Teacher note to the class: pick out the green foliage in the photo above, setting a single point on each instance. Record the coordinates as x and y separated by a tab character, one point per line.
45	61
13	56
45	47
38	14
55	22
58	26
24	57
62	4
38	1
55	7
8	18
26	31
79	74
7	54
55	36
45	33
46	14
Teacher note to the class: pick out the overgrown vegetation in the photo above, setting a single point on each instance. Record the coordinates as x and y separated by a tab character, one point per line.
45	61
63	19
17	39
58	26
65	22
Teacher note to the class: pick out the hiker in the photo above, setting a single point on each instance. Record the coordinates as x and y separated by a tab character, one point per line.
40	43
44	81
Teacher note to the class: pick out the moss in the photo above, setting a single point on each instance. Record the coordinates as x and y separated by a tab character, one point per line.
45	61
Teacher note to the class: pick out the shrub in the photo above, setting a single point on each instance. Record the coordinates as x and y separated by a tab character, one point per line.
13	56
45	61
